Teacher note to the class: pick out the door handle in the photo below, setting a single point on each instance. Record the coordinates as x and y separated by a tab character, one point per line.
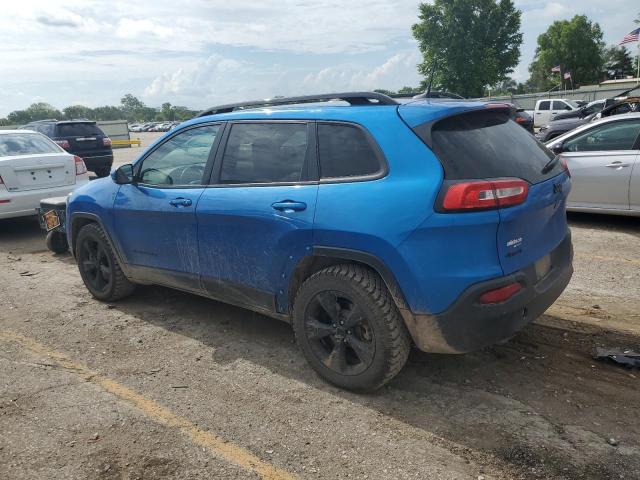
617	165
181	202
289	206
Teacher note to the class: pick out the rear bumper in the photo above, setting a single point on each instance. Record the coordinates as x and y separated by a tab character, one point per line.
468	325
98	161
23	204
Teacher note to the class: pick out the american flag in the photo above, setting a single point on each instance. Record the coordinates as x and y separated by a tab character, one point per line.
556	69
567	75
631	37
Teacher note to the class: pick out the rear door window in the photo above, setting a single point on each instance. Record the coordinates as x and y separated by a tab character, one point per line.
546	105
557	105
488	144
79	130
26	144
345	151
274	152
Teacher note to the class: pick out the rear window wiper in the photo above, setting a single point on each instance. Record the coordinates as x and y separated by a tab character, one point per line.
550	164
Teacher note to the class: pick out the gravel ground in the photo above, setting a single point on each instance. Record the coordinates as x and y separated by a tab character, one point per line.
171	385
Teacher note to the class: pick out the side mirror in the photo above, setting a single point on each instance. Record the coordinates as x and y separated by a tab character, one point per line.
557	148
123	174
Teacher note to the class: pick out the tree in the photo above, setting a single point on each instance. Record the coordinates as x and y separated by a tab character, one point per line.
36	111
472	43
108	112
618	62
78	111
576	46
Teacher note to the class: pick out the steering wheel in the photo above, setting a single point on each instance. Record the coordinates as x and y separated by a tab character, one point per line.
183	174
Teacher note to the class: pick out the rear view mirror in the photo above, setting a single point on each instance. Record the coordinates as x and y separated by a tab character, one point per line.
123	174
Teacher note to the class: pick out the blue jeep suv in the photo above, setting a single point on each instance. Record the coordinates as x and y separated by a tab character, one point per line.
370	226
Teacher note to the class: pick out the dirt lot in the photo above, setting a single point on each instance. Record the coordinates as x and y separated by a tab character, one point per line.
170	385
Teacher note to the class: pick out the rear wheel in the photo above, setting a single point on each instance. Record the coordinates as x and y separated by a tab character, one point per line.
98	266
349	328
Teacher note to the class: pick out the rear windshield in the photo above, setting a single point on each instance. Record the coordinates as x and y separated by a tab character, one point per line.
78	130
488	144
25	144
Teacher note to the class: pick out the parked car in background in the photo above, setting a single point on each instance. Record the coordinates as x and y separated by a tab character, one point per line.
33	167
604	160
82	138
586	110
303	225
559	127
546	110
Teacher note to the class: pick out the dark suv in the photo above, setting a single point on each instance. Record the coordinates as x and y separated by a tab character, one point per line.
82	138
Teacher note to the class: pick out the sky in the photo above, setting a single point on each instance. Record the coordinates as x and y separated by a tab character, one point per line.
200	53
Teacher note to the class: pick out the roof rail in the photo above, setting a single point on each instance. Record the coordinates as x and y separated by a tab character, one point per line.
353	98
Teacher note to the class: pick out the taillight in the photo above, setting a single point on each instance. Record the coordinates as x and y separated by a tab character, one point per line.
106	141
501	294
81	168
63	143
485	194
520	119
563	162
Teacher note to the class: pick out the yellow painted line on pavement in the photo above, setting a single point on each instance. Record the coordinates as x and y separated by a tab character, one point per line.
608	259
215	444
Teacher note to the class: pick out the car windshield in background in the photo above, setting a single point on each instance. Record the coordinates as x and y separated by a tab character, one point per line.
78	129
25	144
484	144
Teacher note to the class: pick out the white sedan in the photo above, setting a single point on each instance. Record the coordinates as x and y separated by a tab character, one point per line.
33	167
604	160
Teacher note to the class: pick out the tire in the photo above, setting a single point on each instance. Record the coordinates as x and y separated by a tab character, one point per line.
369	347
102	172
57	242
98	266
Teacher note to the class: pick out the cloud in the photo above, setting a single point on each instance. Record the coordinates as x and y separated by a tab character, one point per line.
129	28
199	52
201	79
69	20
397	71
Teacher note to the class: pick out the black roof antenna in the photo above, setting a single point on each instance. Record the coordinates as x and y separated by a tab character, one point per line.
433	71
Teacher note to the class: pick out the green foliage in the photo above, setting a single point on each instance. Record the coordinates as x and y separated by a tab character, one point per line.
473	43
130	109
36	111
77	111
576	45
403	91
618	62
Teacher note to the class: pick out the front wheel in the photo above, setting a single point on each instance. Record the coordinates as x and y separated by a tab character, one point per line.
349	328
98	266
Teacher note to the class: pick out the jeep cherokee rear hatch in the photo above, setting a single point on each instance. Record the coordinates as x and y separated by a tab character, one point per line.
83	138
490	162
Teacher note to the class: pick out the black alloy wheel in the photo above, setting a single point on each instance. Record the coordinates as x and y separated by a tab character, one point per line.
339	333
